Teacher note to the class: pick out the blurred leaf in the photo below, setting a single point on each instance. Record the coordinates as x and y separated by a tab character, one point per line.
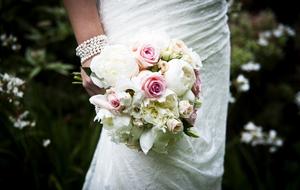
61	68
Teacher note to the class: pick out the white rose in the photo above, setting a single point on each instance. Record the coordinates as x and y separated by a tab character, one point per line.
185	109
180	76
175	50
114	63
174	125
189	95
192	58
196	60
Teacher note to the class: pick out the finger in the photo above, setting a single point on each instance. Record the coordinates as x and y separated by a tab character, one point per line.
83	73
90	92
89	85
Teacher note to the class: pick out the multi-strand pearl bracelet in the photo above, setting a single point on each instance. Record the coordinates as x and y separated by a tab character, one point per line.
91	47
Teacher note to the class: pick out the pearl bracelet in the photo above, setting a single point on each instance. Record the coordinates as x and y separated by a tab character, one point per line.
91	47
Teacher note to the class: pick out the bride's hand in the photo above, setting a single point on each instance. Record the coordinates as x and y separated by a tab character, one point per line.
86	23
87	83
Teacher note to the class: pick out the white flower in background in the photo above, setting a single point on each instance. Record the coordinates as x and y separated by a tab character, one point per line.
297	99
281	29
243	83
290	31
2	37
263	41
278	32
231	99
266	34
254	135
114	63
46	142
10	41
20	122
11	85
251	66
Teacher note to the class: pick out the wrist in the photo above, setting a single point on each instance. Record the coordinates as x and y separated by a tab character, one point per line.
87	63
91	47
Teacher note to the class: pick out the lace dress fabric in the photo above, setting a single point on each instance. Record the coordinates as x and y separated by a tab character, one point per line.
192	163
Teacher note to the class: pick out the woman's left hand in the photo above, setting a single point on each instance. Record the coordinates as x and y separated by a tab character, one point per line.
87	83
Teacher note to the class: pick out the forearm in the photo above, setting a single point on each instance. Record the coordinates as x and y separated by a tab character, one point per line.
84	19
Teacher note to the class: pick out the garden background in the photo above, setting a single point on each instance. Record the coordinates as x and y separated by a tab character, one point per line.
47	134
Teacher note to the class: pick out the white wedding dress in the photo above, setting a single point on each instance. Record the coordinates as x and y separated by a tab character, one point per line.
193	163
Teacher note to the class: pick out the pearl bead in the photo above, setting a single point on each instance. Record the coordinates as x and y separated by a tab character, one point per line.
91	47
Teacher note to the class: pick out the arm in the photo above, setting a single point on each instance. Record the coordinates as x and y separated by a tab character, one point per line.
84	18
86	24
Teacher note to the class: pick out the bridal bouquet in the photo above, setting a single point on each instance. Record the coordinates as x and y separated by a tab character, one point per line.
152	91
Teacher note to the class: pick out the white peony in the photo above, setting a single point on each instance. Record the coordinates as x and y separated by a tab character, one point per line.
180	76
114	63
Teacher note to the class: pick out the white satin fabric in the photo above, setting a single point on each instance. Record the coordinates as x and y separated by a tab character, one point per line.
191	163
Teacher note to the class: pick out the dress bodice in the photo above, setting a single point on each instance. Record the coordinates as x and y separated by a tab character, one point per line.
200	23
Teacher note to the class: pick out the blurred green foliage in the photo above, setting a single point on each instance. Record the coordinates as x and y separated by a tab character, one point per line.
42	54
270	102
39	48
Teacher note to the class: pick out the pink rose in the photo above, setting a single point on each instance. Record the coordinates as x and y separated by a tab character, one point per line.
114	101
110	101
154	85
196	89
147	55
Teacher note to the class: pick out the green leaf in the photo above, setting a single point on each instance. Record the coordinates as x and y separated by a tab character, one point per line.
87	70
34	72
61	68
191	133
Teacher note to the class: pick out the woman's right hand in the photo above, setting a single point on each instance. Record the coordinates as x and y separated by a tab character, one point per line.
87	83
